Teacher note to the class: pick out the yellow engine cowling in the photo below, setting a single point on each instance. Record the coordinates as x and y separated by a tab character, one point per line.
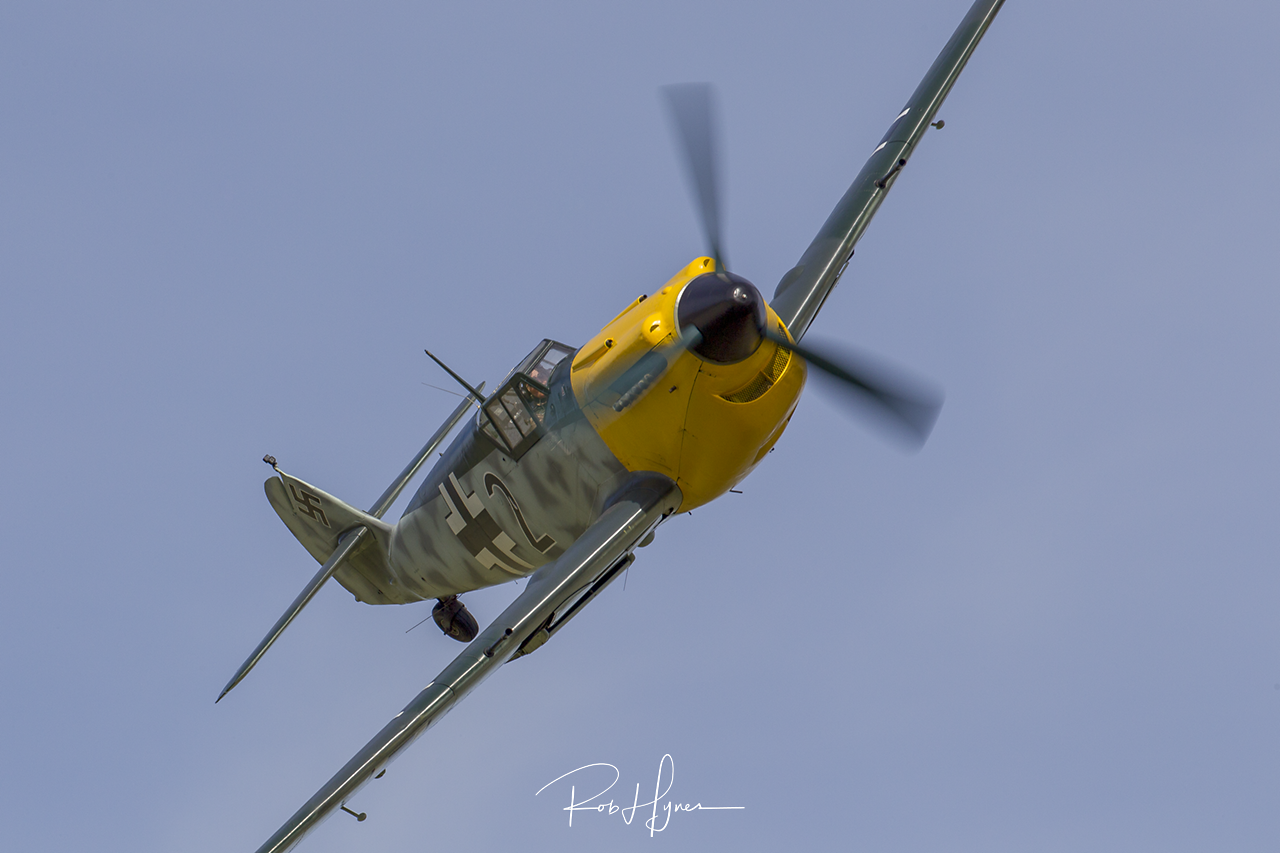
703	424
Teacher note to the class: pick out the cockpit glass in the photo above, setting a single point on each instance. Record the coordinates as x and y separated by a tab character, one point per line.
544	358
498	417
536	399
519	407
515	407
487	426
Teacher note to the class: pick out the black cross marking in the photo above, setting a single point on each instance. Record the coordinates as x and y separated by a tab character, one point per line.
480	535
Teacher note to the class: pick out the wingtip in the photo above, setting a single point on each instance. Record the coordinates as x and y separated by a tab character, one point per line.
230	684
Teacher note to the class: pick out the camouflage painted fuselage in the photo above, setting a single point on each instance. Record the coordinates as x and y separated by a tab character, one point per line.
534	468
483	518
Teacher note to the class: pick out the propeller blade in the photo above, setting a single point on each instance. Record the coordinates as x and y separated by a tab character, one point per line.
691	110
910	408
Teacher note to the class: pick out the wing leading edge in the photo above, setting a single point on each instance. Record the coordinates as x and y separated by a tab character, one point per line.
558	588
806	286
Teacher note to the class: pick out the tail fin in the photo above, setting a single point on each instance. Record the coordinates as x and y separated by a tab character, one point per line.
317	519
350	545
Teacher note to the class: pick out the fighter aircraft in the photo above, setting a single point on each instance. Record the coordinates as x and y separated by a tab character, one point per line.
582	452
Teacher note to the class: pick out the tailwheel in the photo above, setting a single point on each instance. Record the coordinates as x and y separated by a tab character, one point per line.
455	619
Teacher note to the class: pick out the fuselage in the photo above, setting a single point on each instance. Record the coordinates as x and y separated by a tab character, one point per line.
530	472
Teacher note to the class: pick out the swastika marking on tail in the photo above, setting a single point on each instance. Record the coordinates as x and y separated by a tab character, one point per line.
309	504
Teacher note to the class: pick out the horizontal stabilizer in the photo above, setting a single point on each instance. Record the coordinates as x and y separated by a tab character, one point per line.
317	519
334	532
640	505
350	544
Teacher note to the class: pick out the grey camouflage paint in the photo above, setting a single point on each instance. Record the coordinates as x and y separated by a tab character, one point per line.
463	529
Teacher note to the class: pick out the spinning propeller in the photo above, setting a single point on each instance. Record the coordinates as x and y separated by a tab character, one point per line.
690	105
728	311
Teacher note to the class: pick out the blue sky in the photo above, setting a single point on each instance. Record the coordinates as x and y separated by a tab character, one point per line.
231	230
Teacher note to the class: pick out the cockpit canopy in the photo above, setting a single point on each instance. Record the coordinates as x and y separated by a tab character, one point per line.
538	364
512	417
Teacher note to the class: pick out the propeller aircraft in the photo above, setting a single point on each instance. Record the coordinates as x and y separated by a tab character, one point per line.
581	453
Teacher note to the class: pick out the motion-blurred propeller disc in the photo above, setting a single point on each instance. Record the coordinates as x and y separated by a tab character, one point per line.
909	408
690	105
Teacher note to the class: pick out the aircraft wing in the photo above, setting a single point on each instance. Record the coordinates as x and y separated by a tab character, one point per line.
806	286
553	595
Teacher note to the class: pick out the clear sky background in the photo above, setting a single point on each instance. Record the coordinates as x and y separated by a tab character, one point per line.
229	229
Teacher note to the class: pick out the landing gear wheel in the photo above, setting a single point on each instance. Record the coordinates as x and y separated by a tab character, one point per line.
454	619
